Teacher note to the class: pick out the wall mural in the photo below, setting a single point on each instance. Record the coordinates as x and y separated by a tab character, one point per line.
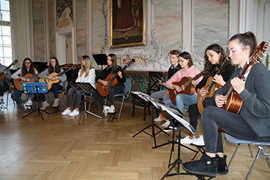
64	13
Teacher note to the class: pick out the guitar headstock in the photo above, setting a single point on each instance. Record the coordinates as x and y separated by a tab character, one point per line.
259	52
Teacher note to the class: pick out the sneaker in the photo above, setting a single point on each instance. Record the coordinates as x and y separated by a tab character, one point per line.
166	124
74	113
105	110
44	106
186	140
222	167
206	166
28	103
111	109
167	130
66	112
158	119
198	141
56	102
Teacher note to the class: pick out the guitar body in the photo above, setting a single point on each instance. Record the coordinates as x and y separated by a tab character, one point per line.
189	89
104	90
211	91
18	82
234	103
51	82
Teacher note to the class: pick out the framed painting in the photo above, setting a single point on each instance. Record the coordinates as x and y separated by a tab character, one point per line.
127	23
64	13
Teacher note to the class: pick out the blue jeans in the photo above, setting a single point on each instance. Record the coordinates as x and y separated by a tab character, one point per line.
16	96
182	100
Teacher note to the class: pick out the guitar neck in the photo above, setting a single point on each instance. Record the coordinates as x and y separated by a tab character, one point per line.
193	79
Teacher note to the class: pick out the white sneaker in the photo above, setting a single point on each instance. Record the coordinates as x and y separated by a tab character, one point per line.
105	110
198	141
44	106
111	109
56	102
158	119
28	103
66	112
166	124
186	140
74	113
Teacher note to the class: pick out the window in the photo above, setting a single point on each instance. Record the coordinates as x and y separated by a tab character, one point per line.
5	33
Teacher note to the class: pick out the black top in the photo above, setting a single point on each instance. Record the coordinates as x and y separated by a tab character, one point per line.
105	72
172	70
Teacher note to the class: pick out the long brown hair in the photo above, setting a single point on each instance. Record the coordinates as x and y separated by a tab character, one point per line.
57	66
24	69
186	55
218	49
114	62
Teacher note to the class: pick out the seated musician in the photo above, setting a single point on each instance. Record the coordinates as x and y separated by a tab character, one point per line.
4	81
85	75
174	67
215	61
253	120
20	76
188	70
59	80
117	88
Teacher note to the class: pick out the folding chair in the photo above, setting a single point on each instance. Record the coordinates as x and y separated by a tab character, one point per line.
260	153
125	94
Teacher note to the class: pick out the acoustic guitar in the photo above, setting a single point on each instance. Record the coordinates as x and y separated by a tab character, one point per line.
2	74
186	85
210	86
112	80
18	83
234	102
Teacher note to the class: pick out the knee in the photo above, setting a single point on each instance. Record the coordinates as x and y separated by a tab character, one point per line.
208	113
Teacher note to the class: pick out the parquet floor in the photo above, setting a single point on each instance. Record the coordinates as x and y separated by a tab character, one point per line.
58	148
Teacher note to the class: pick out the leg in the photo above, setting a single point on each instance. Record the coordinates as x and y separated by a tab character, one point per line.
113	90
55	89
16	96
193	115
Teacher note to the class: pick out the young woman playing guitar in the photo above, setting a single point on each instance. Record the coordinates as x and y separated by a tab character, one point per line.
111	69
26	74
54	74
253	120
220	70
86	75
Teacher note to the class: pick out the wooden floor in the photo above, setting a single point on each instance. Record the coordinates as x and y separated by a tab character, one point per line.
58	148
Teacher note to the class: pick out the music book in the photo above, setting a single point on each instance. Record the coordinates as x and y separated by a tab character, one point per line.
101	59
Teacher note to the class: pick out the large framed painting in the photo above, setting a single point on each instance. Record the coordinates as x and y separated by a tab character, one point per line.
127	23
64	13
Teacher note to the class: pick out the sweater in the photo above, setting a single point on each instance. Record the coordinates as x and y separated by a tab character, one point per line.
88	79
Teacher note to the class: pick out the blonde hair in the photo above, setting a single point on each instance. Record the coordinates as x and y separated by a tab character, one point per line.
86	68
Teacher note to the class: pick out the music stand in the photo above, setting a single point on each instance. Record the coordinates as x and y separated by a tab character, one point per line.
101	59
35	88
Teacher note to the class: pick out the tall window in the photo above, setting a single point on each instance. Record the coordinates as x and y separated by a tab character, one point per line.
5	33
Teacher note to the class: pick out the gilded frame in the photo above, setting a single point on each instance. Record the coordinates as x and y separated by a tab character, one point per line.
127	23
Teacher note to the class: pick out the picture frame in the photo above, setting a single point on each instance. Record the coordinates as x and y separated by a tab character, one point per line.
127	23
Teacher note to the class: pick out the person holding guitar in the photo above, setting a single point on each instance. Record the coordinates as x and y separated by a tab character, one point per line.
26	74
86	74
54	74
253	120
5	78
103	79
219	72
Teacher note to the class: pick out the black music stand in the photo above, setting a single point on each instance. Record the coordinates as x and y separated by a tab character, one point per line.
36	88
101	59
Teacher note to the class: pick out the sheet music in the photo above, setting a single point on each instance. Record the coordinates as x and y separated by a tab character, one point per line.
171	111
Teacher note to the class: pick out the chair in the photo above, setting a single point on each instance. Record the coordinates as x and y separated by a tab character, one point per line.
125	94
260	153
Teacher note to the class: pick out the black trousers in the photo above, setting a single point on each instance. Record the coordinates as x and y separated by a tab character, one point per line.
193	112
233	124
113	90
4	86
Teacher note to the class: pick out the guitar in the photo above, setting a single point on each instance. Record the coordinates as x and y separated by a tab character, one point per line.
50	80
234	102
27	79
186	85
112	81
2	74
210	86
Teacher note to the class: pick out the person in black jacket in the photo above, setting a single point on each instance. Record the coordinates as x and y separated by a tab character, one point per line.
220	70
112	67
253	120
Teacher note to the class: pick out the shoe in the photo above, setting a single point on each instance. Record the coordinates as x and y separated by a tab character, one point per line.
222	167
198	141
56	102
158	119
74	113
105	110
28	103
66	112
166	124
167	130
44	106
111	109
186	140
206	166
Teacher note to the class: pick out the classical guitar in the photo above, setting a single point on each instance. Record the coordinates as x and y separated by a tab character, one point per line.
112	80
27	79
49	80
234	102
210	86
186	85
2	74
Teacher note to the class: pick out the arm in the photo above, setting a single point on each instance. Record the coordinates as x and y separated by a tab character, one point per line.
16	75
63	77
44	74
